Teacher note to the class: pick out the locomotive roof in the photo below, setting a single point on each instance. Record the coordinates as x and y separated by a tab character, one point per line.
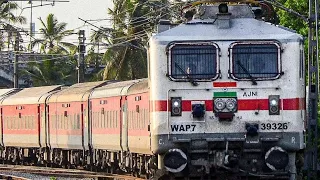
76	92
114	89
241	29
34	95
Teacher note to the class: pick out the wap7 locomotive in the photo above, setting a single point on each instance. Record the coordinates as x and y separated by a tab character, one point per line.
227	95
224	99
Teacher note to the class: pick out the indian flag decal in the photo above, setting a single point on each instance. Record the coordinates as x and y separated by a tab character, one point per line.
224	94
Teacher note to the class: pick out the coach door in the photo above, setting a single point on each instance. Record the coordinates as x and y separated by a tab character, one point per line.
124	123
1	127
89	121
85	126
41	125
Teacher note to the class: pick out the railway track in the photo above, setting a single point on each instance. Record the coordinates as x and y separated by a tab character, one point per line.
57	172
11	177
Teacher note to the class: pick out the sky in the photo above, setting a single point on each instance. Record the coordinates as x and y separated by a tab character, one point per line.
68	12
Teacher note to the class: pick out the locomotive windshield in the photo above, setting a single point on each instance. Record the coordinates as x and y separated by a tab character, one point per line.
193	61
255	61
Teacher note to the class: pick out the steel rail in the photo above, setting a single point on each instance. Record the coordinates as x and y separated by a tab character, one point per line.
68	173
11	177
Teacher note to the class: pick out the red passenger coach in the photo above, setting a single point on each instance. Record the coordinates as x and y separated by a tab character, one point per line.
120	122
138	118
23	118
68	116
108	131
3	94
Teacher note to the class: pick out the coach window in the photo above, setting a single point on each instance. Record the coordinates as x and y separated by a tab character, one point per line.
52	121
32	122
8	122
197	61
255	60
74	120
78	121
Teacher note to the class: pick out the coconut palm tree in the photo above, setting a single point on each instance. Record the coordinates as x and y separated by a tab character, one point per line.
7	19
52	70
6	13
133	21
55	69
53	33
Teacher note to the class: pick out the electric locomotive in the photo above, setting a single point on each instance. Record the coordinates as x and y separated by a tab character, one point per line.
227	93
224	99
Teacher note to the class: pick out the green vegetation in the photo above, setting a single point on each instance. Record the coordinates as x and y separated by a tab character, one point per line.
53	33
291	21
7	18
133	21
58	67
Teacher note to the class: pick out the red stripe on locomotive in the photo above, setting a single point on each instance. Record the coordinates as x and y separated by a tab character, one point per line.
224	84
243	104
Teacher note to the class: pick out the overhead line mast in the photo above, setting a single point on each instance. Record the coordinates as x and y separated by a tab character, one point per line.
312	164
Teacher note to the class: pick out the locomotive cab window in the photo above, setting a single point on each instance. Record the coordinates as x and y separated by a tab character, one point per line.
255	60
197	61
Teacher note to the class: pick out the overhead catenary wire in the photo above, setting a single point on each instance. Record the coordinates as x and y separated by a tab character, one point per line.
281	6
133	20
137	34
100	28
37	61
112	19
106	19
27	33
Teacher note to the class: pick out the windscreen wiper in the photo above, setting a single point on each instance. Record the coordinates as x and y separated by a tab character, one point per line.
254	82
186	74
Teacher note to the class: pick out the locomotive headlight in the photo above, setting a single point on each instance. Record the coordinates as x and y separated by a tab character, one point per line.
176	106
219	104
273	102
231	105
274	105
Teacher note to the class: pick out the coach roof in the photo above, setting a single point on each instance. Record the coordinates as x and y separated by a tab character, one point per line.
140	87
114	89
6	92
34	95
76	92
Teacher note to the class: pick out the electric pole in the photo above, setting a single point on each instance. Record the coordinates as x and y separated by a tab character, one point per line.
81	50
311	156
16	58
